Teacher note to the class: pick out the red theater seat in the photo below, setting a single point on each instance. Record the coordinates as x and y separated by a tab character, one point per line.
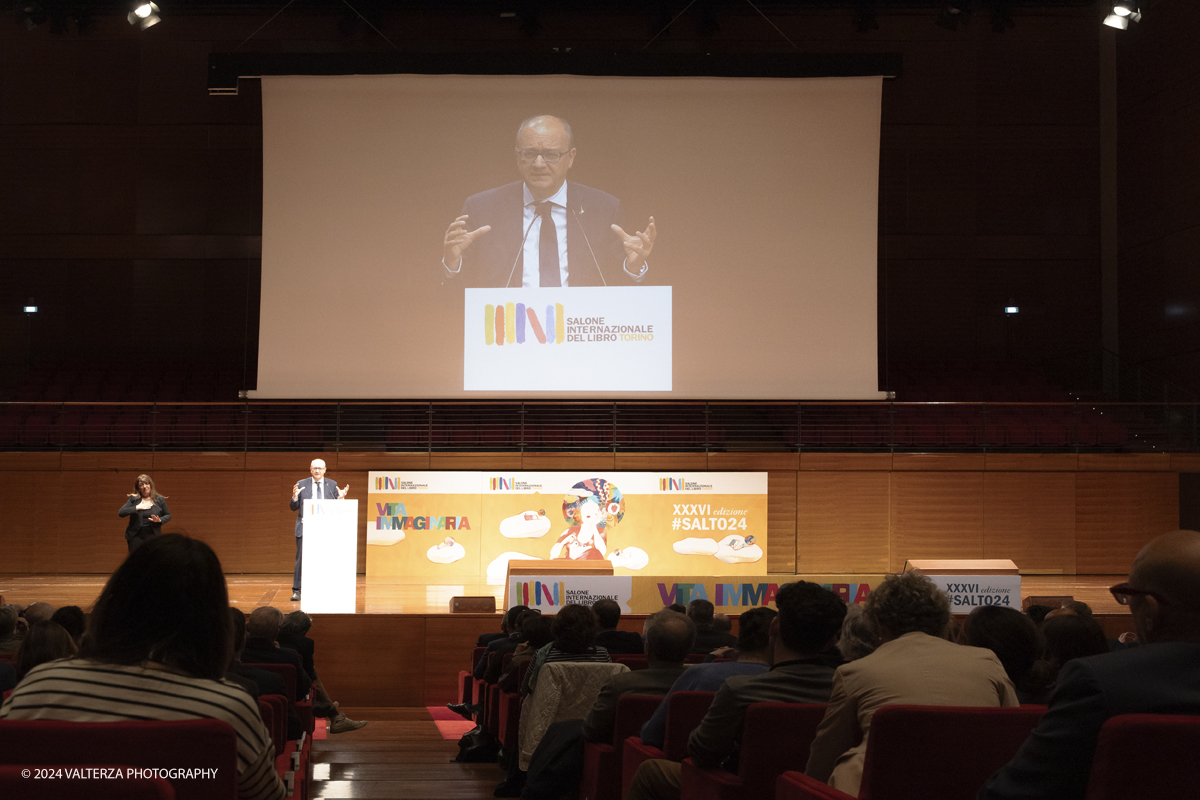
1145	756
602	762
931	752
684	712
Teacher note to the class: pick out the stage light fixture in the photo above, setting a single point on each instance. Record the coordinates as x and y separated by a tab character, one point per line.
144	14
1123	11
1012	310
31	306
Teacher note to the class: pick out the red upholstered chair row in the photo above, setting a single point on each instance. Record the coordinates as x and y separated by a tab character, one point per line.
776	737
602	762
685	710
931	752
303	707
201	743
1145	757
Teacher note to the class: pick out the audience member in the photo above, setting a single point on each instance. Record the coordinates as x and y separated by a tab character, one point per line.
504	644
536	634
38	612
608	616
912	665
801	637
754	628
262	628
574	628
72	619
1015	640
258	682
487	638
46	641
858	637
8	676
1037	613
707	638
678	608
722	623
1070	608
10	638
1159	677
293	634
1065	638
157	648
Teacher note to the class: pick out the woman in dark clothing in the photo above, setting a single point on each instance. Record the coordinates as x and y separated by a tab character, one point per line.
147	511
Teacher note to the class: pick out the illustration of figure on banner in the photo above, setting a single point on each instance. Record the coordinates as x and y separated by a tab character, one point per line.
592	506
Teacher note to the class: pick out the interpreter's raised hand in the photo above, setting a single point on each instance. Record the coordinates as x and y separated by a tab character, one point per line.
155	518
458	239
637	245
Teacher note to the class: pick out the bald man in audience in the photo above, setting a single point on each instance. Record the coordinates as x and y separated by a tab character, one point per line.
1160	677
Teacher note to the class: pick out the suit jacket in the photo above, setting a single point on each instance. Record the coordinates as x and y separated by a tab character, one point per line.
626	643
487	638
488	262
655	681
1056	759
258	651
139	516
916	669
805	680
305	647
708	640
269	683
306	493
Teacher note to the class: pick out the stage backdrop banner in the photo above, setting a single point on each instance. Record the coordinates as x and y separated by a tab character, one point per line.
643	594
464	527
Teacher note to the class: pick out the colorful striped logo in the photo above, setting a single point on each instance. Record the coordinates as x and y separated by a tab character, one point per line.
513	323
536	593
502	484
670	484
387	484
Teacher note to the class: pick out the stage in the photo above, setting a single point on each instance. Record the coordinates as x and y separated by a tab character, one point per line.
402	647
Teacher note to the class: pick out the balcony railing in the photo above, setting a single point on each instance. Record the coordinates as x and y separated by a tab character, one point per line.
623	426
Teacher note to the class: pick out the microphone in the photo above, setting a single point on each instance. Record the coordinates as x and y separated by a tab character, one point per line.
520	248
589	246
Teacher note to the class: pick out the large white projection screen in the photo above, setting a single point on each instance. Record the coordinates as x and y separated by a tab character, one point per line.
761	283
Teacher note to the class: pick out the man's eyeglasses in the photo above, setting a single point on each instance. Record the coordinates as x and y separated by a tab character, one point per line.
549	156
1123	593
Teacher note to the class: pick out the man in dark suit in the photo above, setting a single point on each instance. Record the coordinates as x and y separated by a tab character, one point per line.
608	614
544	230
1161	676
318	487
708	638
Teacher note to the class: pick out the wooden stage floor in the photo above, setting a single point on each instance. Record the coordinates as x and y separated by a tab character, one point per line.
390	596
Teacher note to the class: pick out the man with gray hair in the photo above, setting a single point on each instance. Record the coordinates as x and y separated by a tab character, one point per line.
544	230
318	487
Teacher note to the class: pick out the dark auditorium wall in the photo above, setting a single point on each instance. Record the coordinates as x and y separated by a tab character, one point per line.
131	206
1158	94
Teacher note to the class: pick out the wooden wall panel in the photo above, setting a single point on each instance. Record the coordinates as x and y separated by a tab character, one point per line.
1116	513
31	513
1030	518
781	522
269	525
843	521
210	507
449	641
650	462
90	536
397	658
936	515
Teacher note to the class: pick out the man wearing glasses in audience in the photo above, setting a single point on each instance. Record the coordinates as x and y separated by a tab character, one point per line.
1162	676
544	230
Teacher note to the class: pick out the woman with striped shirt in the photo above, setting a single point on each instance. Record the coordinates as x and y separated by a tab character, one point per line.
156	649
574	628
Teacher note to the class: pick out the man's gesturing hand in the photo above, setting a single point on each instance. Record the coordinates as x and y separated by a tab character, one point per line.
637	246
458	239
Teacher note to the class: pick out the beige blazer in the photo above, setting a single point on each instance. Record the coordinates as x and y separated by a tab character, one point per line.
915	669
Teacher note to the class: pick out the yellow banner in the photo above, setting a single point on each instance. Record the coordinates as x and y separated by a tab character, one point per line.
733	594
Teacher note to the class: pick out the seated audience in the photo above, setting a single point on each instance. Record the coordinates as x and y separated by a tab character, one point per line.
753	658
502	644
38	612
293	634
45	642
535	634
487	638
858	637
1071	608
1158	677
157	648
801	641
8	676
678	608
72	620
574	628
722	623
1066	638
1015	640
262	628
1037	613
707	638
491	664
912	665
608	616
258	682
10	637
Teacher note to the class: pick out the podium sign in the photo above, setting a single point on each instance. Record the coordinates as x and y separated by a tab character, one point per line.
329	572
586	339
971	583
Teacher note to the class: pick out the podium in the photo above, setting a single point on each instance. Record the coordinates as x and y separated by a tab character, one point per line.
554	566
974	582
329	571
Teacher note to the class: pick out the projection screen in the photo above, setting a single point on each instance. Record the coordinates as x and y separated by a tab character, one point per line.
759	283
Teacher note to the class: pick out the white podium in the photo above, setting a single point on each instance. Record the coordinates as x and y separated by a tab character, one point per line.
329	571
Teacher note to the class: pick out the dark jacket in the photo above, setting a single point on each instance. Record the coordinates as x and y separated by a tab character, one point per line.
708	640
1056	759
655	680
303	645
626	643
260	651
139	518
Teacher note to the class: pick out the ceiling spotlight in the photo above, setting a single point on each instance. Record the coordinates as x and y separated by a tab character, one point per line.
1011	310
1125	8
1118	22
1122	12
144	14
31	306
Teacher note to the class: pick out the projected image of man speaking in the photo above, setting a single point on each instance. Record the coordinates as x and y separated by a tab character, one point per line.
543	230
